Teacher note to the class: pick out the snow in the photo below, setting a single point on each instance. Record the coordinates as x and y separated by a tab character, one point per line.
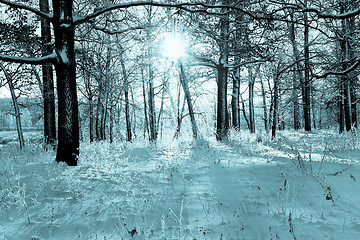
301	185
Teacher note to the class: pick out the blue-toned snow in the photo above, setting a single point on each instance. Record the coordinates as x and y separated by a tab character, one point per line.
300	186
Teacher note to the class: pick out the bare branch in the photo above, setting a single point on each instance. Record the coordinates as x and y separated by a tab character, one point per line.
112	32
205	60
202	7
346	71
320	14
28	8
30	60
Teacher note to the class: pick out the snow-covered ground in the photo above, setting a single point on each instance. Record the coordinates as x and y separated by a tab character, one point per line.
300	186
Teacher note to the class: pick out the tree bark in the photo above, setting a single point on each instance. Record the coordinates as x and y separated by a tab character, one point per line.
16	107
306	84
235	101
185	87
127	101
152	114
48	81
251	102
68	121
275	108
265	117
222	126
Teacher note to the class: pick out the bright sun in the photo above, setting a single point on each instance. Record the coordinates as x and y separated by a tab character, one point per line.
173	47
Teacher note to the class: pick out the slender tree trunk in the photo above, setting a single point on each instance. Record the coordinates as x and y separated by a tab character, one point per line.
275	108
68	122
243	111
179	118
185	87
99	113
111	127
48	82
307	85
16	107
146	121
235	101
295	98
91	117
265	117
127	101
251	102
341	109
152	114
161	110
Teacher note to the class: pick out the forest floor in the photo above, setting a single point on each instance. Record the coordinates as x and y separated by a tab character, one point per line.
300	186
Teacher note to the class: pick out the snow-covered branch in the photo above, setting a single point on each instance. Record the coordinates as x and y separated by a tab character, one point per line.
28	8
189	6
29	60
319	13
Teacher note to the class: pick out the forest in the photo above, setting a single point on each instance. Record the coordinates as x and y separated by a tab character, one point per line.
207	119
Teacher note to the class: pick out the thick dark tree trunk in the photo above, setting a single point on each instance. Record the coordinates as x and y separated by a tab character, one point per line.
68	122
222	126
297	77
48	82
345	79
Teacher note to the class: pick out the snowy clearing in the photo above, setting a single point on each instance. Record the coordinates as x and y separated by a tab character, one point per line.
301	186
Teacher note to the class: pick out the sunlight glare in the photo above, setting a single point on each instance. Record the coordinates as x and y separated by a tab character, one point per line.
173	47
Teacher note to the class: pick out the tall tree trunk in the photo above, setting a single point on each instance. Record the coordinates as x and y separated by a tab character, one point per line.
243	111
306	84
295	99
297	77
111	127
127	101
235	100
68	121
275	108
265	117
146	121
91	117
185	87
48	81
99	113
251	102
16	107
345	50
152	114
222	126
341	109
